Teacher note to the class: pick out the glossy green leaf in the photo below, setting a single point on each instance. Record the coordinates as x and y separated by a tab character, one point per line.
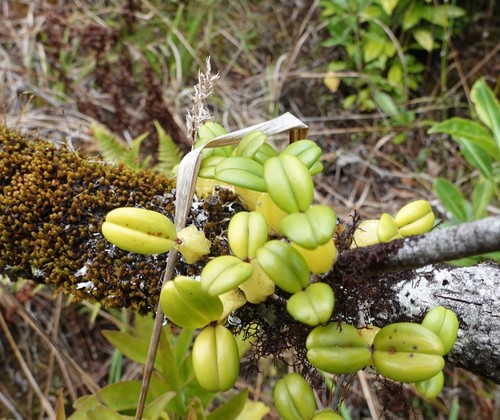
461	128
231	409
337	348
407	352
477	157
265	152
250	144
186	304
431	388
241	172
289	183
451	198
312	306
487	107
482	197
224	273
444	323
308	152
216	359
284	265
310	229
294	398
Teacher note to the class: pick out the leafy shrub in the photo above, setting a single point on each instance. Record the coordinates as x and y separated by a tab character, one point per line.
479	141
381	39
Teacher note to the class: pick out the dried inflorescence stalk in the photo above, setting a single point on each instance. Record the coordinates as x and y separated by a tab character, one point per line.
199	114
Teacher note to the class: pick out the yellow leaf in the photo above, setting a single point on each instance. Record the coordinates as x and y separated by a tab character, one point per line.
253	410
331	82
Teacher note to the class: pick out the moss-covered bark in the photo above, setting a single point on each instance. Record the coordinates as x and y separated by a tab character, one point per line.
52	204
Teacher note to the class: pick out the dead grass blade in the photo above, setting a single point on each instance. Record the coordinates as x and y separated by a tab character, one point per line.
63	358
26	370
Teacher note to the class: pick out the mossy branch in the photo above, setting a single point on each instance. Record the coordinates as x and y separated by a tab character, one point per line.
52	204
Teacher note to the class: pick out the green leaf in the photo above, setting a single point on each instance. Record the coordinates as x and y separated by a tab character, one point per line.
477	157
183	343
83	404
134	348
386	103
389	5
395	74
468	130
168	363
413	15
99	413
487	108
231	409
424	38
451	198
143	326
155	409
122	395
372	48
254	410
399	138
482	197
441	15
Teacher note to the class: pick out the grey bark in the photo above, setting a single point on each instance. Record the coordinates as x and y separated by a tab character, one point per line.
460	241
473	293
401	280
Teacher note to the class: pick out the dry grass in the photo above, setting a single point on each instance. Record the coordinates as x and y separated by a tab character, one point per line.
63	65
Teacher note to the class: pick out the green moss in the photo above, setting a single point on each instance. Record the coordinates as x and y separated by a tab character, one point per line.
52	204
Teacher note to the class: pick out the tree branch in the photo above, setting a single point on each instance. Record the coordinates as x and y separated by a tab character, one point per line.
52	204
460	241
473	293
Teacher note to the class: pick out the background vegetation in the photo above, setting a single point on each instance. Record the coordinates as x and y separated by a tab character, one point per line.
370	78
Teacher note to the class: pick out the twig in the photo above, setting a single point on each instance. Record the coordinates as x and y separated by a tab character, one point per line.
338	392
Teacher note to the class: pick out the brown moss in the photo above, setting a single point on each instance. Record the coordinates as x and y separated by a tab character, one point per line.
52	204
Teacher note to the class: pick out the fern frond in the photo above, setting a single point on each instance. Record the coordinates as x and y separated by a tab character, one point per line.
111	147
131	158
169	154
